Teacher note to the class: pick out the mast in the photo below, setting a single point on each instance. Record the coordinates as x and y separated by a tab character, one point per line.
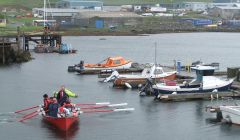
44	13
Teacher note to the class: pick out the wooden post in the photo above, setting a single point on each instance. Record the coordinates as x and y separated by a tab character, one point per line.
18	37
3	60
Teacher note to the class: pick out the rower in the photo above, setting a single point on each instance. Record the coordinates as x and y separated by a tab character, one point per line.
63	95
46	102
53	108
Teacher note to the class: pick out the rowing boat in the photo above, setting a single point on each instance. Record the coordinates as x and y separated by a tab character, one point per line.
64	123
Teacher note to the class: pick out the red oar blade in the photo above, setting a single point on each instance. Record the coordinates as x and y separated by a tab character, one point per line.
29	117
29	114
18	111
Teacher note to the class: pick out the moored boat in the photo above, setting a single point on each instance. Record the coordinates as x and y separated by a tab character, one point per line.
63	123
153	71
204	82
117	62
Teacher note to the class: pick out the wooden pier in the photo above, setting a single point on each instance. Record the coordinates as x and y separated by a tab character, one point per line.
21	42
198	96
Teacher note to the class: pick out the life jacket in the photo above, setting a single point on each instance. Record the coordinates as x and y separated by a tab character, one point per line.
61	109
46	102
67	105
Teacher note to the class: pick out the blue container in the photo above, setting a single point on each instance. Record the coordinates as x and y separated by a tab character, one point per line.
178	66
202	22
99	24
64	48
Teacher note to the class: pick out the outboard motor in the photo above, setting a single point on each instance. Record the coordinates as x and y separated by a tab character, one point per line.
112	77
147	88
81	65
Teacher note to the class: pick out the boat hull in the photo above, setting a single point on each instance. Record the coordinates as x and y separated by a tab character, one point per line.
134	82
163	90
123	66
231	114
63	124
99	69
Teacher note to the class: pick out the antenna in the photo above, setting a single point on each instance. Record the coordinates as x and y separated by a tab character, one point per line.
155	61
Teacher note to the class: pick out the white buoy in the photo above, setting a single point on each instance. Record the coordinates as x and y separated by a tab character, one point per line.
128	85
174	93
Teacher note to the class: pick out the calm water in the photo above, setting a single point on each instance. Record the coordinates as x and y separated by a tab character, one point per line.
23	85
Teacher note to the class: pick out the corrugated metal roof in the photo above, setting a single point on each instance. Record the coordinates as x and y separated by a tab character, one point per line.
103	14
58	10
228	8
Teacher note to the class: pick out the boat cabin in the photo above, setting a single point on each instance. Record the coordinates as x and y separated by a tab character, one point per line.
152	71
203	71
110	62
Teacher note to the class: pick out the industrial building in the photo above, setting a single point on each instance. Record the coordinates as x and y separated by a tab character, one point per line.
54	12
228	13
80	4
94	19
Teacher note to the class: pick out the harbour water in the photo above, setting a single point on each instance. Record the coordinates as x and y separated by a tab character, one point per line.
22	85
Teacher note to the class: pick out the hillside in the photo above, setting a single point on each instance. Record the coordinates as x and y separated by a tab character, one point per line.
38	3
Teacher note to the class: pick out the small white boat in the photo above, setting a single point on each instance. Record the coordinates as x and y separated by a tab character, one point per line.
152	71
204	82
231	114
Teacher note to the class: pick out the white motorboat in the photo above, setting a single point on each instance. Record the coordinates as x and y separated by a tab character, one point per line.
204	82
152	71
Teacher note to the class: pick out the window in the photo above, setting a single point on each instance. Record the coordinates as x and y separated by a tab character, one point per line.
158	71
117	62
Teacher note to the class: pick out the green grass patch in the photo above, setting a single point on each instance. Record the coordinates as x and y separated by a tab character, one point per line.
122	2
39	3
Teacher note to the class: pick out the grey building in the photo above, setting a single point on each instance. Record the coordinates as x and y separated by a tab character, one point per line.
89	18
194	6
55	12
225	1
80	4
226	13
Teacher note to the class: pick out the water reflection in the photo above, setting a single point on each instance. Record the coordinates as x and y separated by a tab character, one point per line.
59	134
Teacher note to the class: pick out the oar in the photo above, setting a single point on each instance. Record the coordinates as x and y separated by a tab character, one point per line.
112	110
104	106
102	103
29	114
29	117
18	111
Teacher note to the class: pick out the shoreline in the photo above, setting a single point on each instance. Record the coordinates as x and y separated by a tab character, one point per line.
146	32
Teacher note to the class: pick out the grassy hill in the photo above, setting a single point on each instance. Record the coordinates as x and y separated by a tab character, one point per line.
38	3
29	4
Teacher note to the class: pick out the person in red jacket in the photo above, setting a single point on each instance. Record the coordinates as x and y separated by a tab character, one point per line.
46	102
